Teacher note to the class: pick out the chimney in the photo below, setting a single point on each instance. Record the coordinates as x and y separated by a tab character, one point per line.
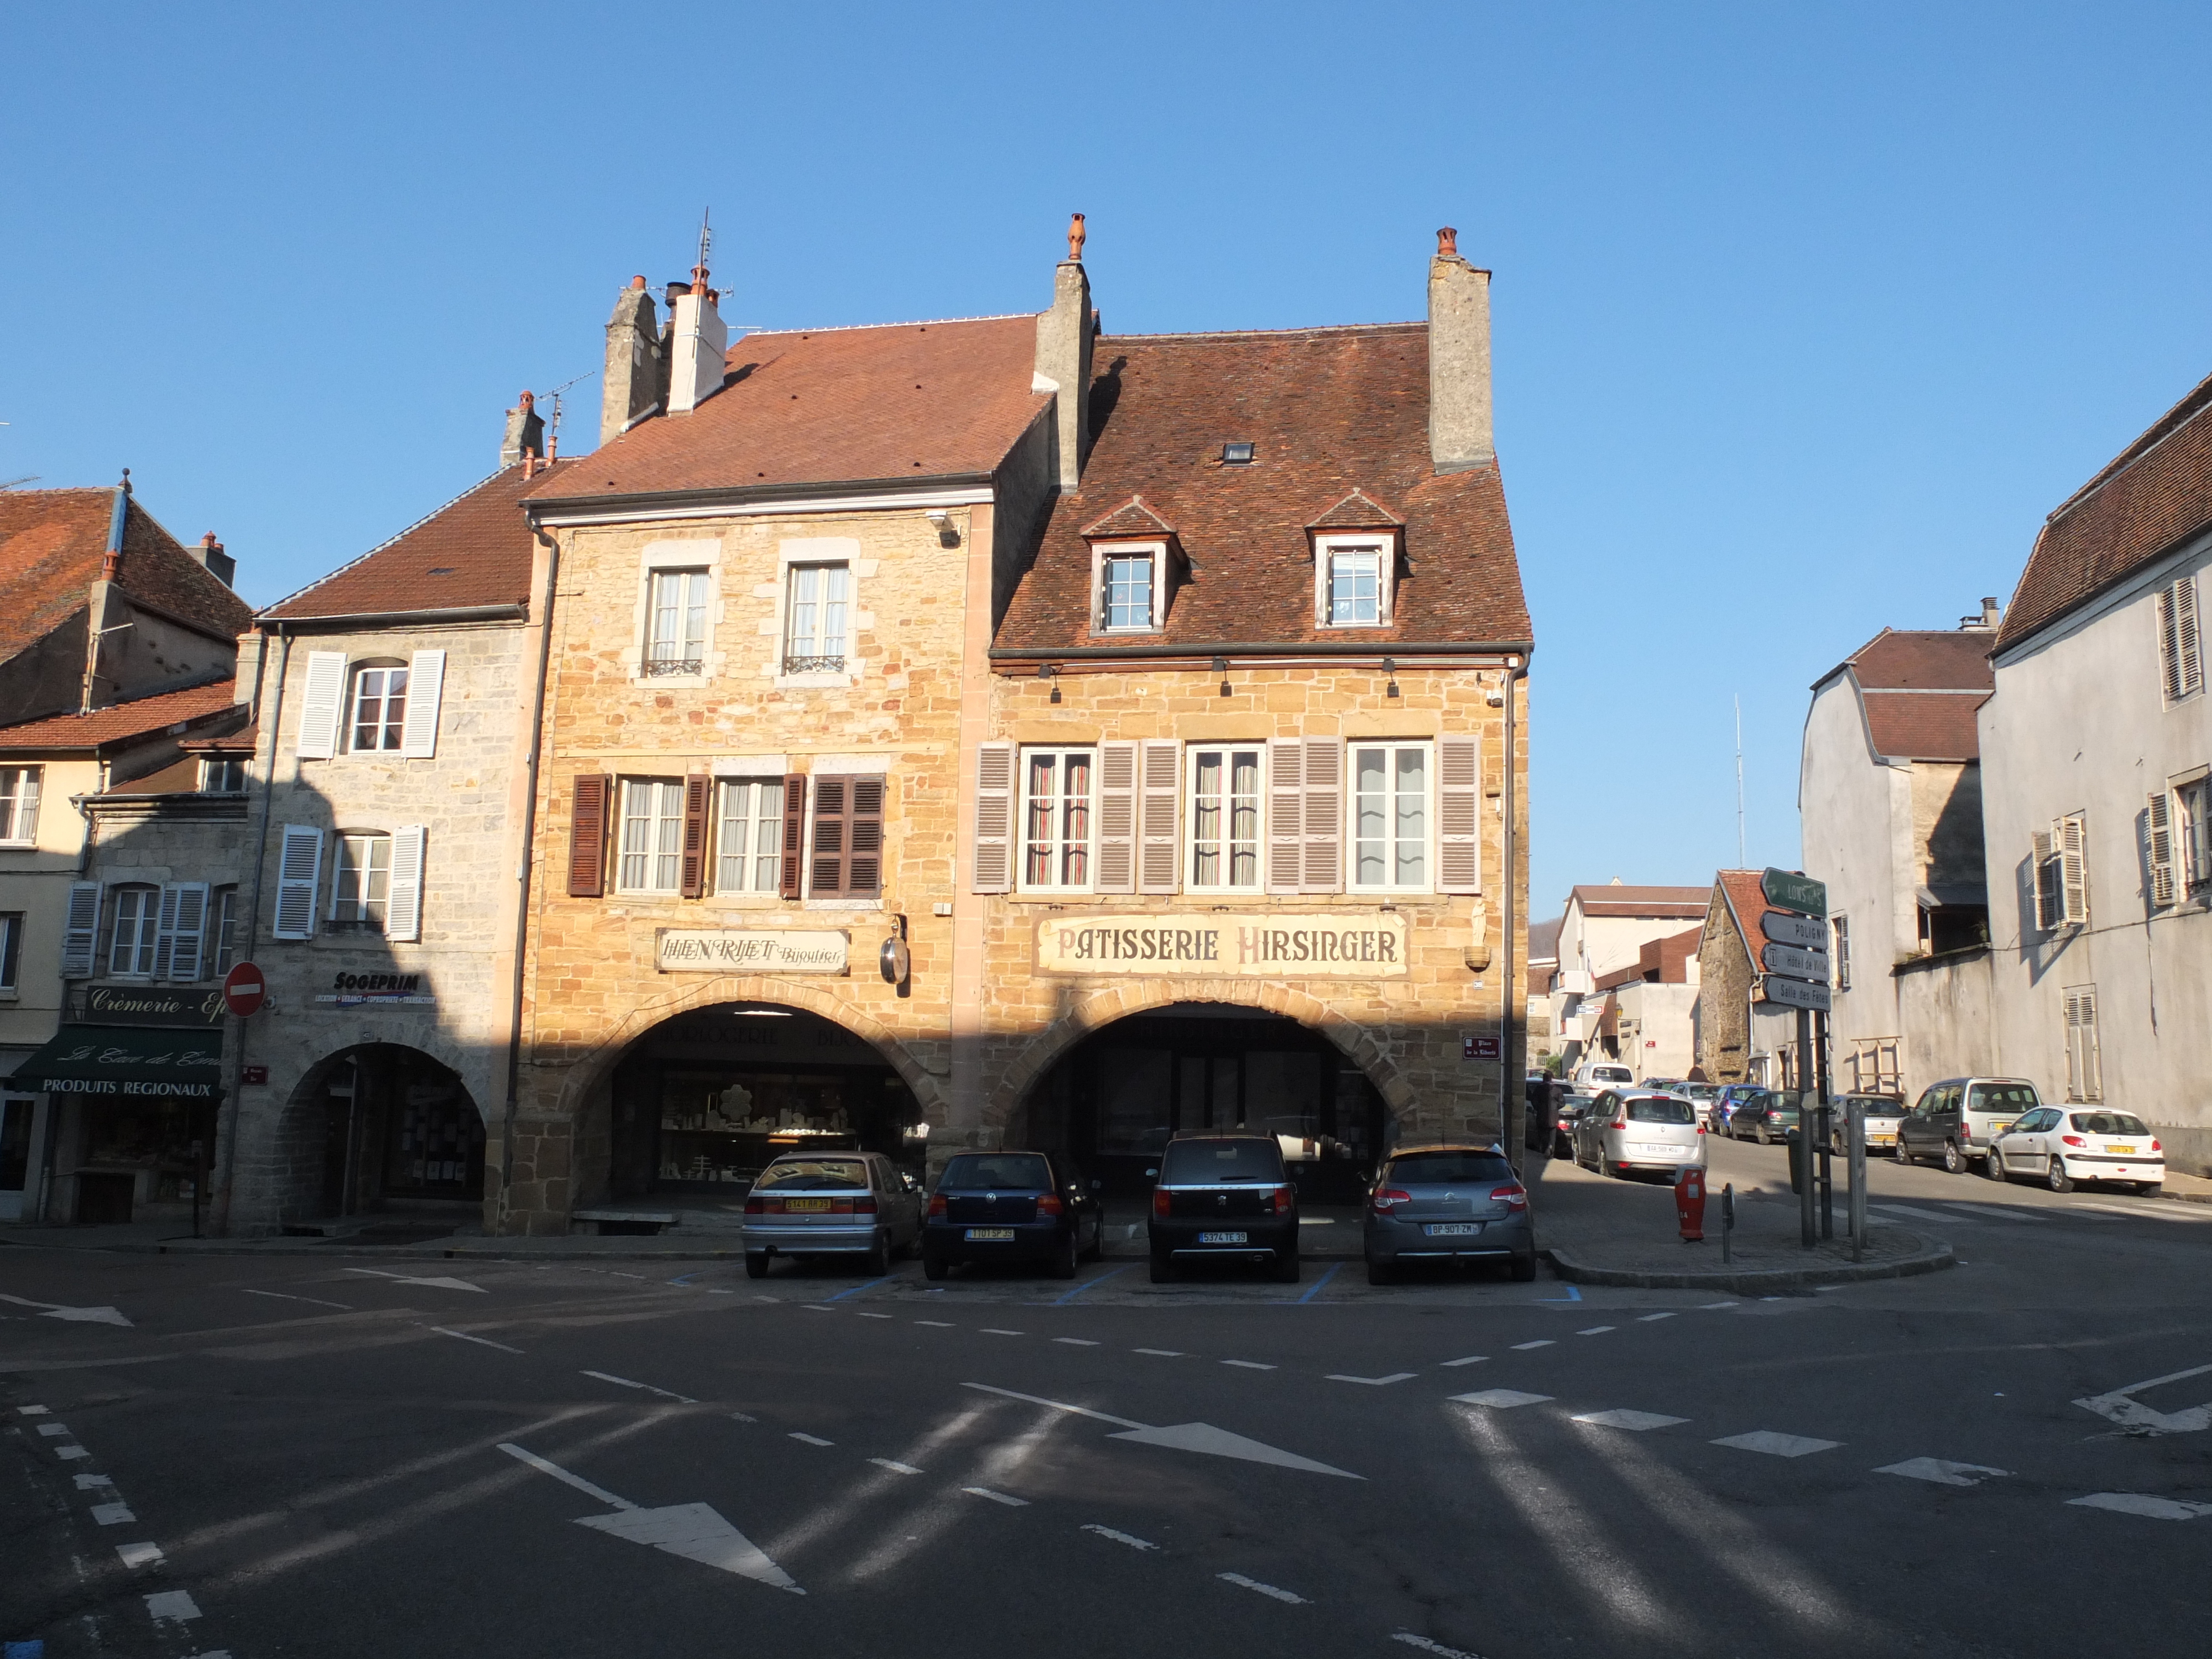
1064	334
1460	434
525	433
701	339
220	564
1992	613
630	389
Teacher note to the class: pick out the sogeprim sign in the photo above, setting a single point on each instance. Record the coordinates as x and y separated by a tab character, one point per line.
763	951
1301	947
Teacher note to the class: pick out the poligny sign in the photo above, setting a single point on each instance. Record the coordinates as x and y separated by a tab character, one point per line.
1302	946
748	950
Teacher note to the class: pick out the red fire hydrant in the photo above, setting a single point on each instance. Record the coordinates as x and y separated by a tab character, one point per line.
1690	1205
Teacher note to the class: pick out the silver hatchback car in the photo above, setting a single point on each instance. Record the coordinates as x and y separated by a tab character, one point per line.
1445	1202
832	1204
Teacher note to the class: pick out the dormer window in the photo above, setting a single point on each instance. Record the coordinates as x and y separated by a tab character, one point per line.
1129	581
1351	577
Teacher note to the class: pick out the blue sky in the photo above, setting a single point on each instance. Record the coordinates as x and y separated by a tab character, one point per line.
1805	316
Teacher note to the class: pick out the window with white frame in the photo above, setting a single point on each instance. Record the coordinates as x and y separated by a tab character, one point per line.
749	835
137	927
19	804
362	889
1056	819
1128	590
222	777
11	950
380	708
651	857
2193	837
1224	819
2085	1075
2059	859
1353	575
1840	928
675	623
2180	651
815	612
1390	816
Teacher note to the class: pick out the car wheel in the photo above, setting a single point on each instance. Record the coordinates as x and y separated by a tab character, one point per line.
1163	1269
1955	1157
1380	1273
1524	1268
2060	1182
932	1264
755	1264
1098	1242
1898	1152
879	1257
1063	1261
1997	1172
1836	1147
2150	1188
1286	1266
1758	1134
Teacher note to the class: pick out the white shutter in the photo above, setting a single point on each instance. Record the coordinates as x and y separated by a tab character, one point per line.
1286	815
165	929
298	868
1459	814
2042	874
1160	793
1324	816
403	912
2070	836
2158	821
1117	818
81	934
2092	1070
320	705
426	684
188	945
2189	660
992	870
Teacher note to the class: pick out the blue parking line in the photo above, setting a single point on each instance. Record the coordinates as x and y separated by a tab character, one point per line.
857	1289
1318	1283
1572	1295
1061	1302
687	1278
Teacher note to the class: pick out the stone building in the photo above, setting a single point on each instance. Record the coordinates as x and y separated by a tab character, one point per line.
1602	930
1003	732
1645	1014
1739	1039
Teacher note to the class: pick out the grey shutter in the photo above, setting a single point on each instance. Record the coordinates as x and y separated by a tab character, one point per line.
1117	818
165	929
299	865
1286	815
1459	814
403	909
2189	660
1161	791
2158	821
2042	873
321	705
1323	865
2071	835
182	935
425	684
992	870
2093	1068
81	934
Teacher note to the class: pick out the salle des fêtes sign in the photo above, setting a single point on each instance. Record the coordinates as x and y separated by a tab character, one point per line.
1291	947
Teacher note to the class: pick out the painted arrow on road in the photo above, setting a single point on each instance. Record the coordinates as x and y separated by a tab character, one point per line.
2119	1407
435	1284
1182	1437
694	1531
56	1311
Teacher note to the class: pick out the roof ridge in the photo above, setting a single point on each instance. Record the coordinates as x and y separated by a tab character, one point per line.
1274	333
2142	444
855	328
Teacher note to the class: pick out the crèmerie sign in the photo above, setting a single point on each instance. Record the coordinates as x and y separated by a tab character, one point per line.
1300	946
764	951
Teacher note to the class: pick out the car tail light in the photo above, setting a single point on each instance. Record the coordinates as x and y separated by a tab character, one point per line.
1388	1197
2155	1147
1620	1123
1280	1200
1701	1126
865	1205
1514	1197
1160	1202
757	1206
2074	1140
1049	1205
937	1207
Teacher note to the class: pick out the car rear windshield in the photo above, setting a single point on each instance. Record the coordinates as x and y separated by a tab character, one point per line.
2002	1097
1700	1090
1612	1073
816	1172
1416	1169
2108	1123
1882	1106
1652	1109
1022	1170
1190	1162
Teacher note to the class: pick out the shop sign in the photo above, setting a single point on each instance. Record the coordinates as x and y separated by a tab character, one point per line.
762	951
1303	947
358	990
147	1005
1480	1047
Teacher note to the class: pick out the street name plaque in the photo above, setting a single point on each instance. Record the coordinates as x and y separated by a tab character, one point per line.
1797	965
1808	932
1794	993
1792	891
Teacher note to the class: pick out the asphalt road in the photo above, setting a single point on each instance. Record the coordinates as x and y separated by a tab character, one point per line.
333	1458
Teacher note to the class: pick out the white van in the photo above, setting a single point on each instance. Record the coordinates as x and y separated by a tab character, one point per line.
1600	1075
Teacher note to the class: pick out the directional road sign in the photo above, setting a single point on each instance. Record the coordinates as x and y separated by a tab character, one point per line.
1796	963
1793	993
1809	932
1795	892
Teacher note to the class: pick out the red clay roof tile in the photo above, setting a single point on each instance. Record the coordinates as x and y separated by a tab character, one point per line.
1356	510
52	545
1930	725
123	721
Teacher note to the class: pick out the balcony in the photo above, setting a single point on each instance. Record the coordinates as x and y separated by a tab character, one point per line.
814	665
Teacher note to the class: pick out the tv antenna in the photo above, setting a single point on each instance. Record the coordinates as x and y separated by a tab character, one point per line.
28	477
553	430
1739	854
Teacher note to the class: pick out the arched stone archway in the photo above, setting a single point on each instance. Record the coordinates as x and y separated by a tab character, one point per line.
374	1124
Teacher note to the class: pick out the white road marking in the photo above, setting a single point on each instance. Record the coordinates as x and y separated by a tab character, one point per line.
1118	1537
2164	1212
1160	1353
171	1607
562	1475
2121	1407
1941	1471
54	1430
991	1330
1540	1342
283	1295
1471	1359
2136	1503
1707	1306
997	1497
1056	1405
894	1466
1437	1648
870	1315
111	1515
70	1454
811	1439
32	1411
78	1315
624	1382
440	1284
940	1324
1980	1211
481	1342
1201	1437
1637	1421
140	1555
1076	1341
817	1307
1777	1445
1242	1582
1248	1364
94	1482
1594	1330
1372	1382
2079	1211
1646	1318
739	1417
1501	1399
1911	1213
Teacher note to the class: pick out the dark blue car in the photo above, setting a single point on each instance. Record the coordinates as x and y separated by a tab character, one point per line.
1015	1207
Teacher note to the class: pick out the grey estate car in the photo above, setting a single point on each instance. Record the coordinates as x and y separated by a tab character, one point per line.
1448	1202
832	1204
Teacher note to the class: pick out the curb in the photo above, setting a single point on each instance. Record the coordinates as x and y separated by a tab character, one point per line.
1934	1260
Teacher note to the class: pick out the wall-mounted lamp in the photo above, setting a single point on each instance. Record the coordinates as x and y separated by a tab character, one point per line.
895	961
1390	667
1221	667
948	533
1047	671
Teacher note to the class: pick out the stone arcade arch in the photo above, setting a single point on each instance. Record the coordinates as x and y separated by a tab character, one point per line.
374	1125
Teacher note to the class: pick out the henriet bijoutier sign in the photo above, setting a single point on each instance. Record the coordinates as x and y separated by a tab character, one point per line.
1300	946
764	951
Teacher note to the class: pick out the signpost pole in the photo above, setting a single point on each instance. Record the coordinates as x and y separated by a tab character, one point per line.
1857	1113
1827	1122
1805	1200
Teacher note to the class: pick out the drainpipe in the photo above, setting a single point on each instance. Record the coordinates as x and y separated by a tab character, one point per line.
1516	668
552	545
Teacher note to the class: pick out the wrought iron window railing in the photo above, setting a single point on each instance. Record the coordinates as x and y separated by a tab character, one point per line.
814	664
674	665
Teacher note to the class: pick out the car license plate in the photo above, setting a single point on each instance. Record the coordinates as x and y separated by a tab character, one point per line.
1222	1238
1659	1151
806	1206
2114	1146
1452	1229
990	1232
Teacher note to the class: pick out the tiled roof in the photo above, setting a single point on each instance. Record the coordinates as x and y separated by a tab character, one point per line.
1355	510
1930	725
2156	494
52	543
1747	903
240	741
825	406
1329	410
124	720
1923	660
1132	518
1616	900
475	551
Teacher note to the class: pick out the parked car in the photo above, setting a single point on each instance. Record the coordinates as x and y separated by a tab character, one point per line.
1766	1117
1600	1074
1224	1198
1572	1105
1956	1120
2064	1145
831	1204
1701	1096
1445	1202
1625	1133
1883	1113
1665	1086
1724	1104
1012	1207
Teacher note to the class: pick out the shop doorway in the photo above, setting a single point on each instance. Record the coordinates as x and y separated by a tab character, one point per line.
702	1102
1112	1101
16	1113
397	1127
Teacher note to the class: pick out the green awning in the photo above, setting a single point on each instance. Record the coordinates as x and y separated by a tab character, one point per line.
127	1060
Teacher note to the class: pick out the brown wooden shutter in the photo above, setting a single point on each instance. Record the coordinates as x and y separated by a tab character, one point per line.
692	872
864	839
825	874
1323	870
1286	815
993	867
587	835
1156	816
1117	818
1459	814
794	834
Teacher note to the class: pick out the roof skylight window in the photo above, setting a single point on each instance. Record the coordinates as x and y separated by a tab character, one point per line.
1236	454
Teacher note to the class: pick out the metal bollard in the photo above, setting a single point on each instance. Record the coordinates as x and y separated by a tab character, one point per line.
1728	1217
